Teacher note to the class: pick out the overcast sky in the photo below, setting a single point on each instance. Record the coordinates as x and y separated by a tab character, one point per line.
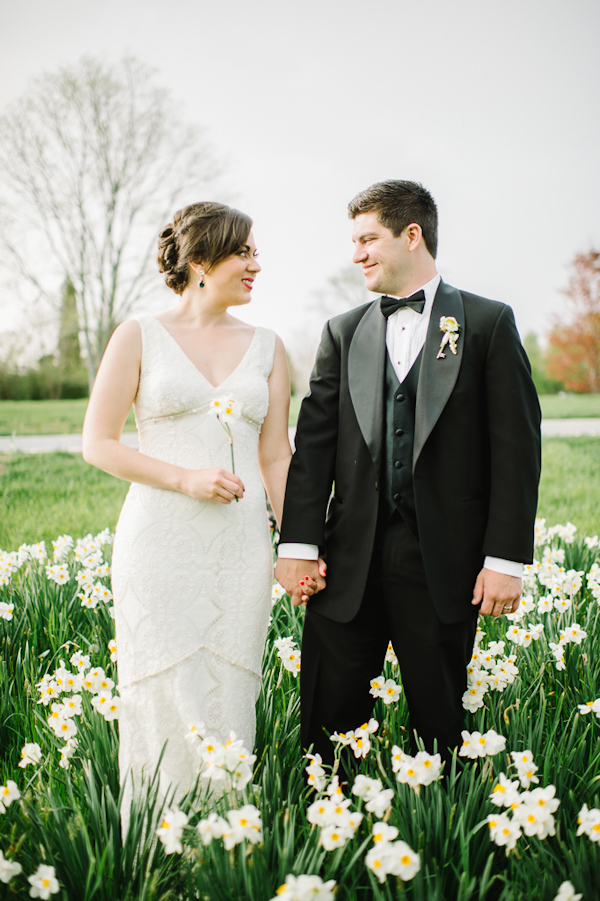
492	105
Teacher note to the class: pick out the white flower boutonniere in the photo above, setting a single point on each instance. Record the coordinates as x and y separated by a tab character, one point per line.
450	328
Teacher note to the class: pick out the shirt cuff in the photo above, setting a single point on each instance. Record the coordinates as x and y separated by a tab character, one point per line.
507	567
298	551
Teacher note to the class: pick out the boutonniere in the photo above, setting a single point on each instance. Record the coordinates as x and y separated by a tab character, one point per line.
450	328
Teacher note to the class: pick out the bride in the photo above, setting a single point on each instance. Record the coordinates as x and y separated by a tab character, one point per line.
192	561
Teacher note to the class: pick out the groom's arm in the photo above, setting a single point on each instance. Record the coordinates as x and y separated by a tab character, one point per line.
311	475
513	425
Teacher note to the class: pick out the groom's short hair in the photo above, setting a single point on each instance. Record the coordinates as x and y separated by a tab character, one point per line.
398	204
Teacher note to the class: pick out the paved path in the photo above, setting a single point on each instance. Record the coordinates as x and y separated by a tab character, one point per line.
40	444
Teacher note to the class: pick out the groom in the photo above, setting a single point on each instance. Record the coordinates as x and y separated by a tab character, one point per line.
415	479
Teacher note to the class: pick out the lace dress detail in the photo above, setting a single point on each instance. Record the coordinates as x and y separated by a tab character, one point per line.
191	579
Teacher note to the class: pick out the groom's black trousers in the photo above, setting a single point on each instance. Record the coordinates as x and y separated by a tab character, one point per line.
340	659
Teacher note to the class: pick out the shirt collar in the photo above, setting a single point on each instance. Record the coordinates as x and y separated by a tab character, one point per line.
429	289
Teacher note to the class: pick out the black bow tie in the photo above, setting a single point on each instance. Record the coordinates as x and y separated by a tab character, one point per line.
389	305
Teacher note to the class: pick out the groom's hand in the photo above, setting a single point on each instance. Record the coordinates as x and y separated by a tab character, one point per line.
300	578
497	593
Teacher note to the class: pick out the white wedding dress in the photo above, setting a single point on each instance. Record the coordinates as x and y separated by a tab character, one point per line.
191	579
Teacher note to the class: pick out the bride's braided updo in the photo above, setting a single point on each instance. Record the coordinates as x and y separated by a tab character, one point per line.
203	233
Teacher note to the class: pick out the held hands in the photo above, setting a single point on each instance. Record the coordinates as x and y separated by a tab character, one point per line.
212	485
497	593
301	578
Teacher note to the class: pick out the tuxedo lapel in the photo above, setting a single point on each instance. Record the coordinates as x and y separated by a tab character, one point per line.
366	363
437	376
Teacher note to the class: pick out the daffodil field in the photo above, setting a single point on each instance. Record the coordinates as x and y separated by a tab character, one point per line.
516	816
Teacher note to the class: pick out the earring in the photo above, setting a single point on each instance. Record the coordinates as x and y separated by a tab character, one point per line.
201	282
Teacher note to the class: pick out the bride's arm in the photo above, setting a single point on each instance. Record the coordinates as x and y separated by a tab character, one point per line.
114	391
274	451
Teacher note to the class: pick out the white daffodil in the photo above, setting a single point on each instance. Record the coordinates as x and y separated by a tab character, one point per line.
383	832
566	892
212	827
246	823
8	869
101	701
534	821
67	752
472	699
320	812
526	768
390	655
113	710
505	793
79	660
590	707
6	609
171	829
398	756
305	888
43	882
573	633
315	774
503	831
31	754
225	409
8	793
381	803
332	837
589	823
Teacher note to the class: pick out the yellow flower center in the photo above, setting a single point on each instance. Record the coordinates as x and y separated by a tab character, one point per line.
405	860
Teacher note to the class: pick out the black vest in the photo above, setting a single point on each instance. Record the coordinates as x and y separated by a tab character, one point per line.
397	481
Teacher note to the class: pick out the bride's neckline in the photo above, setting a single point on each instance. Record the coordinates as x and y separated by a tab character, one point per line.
191	362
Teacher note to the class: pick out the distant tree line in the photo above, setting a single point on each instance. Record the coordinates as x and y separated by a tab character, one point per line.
62	374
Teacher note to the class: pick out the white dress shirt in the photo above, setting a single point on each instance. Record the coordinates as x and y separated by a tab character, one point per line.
405	336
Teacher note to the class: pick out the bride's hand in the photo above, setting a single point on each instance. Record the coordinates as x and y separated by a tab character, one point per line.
212	485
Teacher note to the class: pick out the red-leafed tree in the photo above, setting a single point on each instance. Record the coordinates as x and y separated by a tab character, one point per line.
574	345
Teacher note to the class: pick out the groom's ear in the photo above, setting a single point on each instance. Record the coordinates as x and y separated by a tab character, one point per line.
413	235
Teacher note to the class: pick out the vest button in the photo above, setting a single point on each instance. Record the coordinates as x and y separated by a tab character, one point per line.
400	397
396	497
398	464
399	432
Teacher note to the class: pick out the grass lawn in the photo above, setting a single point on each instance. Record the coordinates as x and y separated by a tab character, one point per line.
64	417
44	495
570	406
46	417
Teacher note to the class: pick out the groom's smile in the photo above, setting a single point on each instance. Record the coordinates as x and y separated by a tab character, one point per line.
384	257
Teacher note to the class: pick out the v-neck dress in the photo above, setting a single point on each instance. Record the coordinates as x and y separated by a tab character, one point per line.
191	579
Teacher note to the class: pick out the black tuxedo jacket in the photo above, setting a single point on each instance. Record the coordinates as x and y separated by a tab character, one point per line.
476	460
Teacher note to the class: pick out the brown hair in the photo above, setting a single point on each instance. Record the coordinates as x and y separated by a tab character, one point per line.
204	233
398	204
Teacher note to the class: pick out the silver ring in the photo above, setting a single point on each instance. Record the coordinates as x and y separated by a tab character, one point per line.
509	607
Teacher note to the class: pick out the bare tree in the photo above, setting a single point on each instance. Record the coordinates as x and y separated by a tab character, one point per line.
341	292
92	162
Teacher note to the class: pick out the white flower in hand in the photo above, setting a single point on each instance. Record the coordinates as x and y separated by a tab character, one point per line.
224	409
